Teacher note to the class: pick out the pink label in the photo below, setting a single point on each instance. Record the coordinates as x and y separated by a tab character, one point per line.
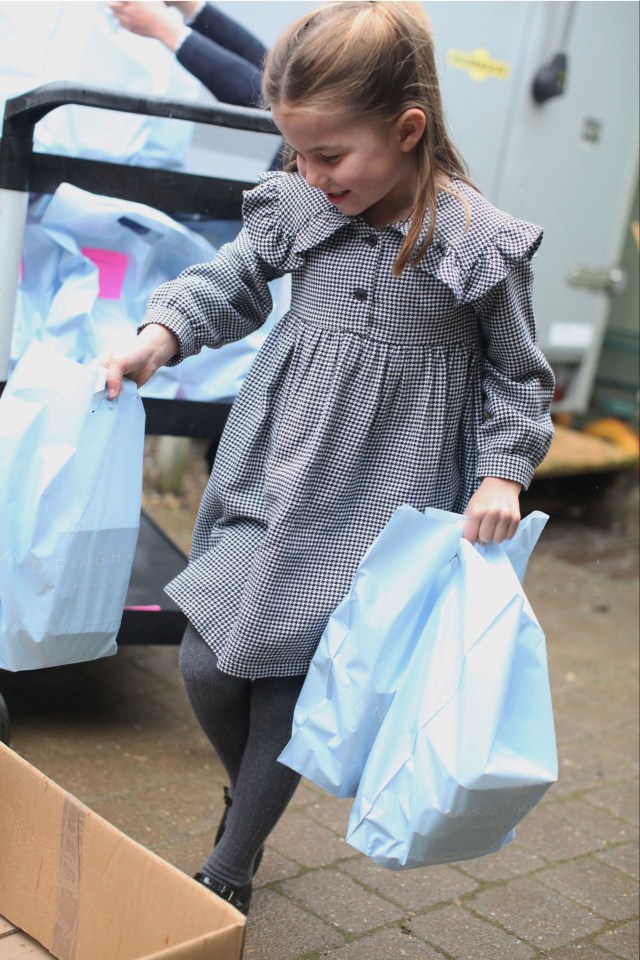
148	608
112	269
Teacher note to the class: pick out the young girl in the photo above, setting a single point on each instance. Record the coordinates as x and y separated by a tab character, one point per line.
406	371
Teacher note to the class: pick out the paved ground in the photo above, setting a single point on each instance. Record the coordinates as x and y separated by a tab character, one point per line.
119	734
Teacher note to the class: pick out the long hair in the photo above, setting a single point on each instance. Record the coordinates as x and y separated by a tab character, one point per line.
371	61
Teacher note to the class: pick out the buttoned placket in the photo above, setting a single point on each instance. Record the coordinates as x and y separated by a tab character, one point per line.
365	292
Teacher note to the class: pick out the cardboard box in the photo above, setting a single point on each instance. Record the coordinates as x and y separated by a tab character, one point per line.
85	891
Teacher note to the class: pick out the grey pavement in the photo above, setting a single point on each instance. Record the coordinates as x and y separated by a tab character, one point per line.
119	734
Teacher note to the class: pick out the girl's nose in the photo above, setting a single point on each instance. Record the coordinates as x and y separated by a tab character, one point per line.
311	173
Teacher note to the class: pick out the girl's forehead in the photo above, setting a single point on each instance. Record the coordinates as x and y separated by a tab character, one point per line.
303	114
318	125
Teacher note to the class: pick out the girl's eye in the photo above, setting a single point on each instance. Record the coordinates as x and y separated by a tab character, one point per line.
332	159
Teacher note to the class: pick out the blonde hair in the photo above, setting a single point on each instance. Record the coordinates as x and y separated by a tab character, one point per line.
376	60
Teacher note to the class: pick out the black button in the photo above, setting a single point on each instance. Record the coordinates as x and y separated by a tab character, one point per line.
360	294
371	239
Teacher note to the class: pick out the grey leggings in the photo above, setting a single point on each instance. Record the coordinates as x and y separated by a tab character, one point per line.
248	722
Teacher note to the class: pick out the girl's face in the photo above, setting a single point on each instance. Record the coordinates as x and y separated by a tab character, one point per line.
363	168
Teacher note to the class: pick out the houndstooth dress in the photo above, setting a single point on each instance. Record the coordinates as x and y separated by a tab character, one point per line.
373	391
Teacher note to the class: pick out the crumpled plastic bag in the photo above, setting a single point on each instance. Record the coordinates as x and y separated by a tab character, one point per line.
366	647
467	748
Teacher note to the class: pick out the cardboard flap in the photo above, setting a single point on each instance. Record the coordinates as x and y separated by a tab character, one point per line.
86	891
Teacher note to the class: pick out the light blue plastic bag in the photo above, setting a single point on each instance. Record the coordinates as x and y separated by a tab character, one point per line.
89	265
70	495
366	647
467	747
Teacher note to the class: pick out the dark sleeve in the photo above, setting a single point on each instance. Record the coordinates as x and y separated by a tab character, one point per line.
227	33
226	75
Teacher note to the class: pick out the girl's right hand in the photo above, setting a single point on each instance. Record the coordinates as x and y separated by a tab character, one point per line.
153	347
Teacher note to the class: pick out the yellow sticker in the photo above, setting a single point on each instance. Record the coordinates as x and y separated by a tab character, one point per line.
635	232
479	64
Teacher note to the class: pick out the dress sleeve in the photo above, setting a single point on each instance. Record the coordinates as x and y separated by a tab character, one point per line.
517	382
214	303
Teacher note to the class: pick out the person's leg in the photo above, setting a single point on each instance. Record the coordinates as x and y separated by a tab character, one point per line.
221	703
264	786
248	722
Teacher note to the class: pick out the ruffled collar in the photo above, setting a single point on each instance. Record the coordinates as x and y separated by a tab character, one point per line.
323	219
475	245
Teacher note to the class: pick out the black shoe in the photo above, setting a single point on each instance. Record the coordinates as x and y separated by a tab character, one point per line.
238	897
221	827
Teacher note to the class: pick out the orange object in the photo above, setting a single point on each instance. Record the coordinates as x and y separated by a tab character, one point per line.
615	431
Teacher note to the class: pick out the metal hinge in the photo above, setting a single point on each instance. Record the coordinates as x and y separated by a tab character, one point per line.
612	280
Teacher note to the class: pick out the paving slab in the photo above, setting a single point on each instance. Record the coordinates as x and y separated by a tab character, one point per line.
581	951
535	914
625	858
279	930
341	901
464	936
601	888
415	890
623	941
620	799
298	837
549	834
396	943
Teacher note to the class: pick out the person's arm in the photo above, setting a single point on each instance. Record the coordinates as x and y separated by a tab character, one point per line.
221	54
230	78
518	388
208	304
226	32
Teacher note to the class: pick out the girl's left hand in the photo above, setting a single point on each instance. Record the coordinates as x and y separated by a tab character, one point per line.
493	513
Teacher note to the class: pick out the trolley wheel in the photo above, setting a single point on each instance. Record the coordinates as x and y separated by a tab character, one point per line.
4	721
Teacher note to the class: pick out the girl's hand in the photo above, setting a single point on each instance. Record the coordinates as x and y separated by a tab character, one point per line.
153	347
493	513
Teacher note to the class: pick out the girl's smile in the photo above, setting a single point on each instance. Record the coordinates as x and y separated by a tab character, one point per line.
363	168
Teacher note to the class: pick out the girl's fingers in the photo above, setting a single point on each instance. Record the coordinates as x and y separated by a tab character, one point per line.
471	529
497	528
493	526
114	382
113	378
493	512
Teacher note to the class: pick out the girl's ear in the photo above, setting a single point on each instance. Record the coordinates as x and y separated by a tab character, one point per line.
410	127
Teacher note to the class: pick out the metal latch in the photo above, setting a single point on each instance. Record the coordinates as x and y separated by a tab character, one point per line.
612	280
